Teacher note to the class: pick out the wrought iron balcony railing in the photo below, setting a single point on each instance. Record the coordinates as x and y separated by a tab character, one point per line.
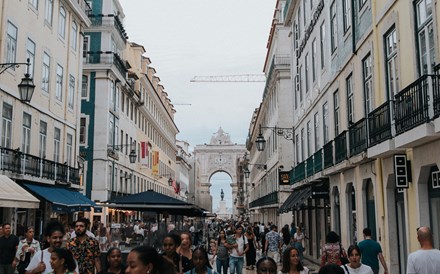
411	105
358	137
26	164
328	154
341	147
317	160
309	166
109	20
269	199
106	57
379	124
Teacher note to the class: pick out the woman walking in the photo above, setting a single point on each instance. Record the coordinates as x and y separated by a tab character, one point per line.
251	255
291	262
332	251
355	265
222	254
298	239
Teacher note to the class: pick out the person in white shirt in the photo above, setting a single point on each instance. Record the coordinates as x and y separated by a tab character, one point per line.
427	259
238	250
355	265
40	262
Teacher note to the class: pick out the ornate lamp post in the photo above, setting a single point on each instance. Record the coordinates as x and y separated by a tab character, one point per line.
26	87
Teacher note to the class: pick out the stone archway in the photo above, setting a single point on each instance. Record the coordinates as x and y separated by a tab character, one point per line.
220	155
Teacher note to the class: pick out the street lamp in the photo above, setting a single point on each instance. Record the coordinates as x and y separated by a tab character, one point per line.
132	156
287	133
26	87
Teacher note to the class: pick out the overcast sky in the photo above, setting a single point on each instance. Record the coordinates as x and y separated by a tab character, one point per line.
187	38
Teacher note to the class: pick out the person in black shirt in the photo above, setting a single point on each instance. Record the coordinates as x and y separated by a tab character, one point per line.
8	248
170	244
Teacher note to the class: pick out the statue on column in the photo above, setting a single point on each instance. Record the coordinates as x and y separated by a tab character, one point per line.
222	194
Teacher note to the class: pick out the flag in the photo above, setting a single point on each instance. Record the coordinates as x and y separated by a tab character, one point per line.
176	187
155	163
144	154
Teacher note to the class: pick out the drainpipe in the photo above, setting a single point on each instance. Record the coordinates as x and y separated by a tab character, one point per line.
353	38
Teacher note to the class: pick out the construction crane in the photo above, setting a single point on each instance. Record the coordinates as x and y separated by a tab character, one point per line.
181	104
231	78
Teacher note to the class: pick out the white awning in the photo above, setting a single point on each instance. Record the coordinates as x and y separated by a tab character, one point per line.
13	195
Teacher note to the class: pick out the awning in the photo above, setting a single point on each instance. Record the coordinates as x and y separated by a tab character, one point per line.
62	199
157	202
13	195
295	199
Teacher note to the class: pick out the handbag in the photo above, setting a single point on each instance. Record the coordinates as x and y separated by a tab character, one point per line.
344	259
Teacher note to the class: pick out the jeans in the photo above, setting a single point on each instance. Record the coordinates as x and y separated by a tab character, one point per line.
6	269
236	265
222	264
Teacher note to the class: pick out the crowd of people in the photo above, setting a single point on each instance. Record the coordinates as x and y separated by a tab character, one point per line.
233	246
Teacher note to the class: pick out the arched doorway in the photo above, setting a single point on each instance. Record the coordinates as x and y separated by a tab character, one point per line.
221	190
221	155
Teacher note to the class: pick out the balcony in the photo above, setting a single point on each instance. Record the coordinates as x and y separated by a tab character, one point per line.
269	199
309	166
358	137
341	147
379	124
106	58
24	164
300	172
109	20
317	163
328	154
411	105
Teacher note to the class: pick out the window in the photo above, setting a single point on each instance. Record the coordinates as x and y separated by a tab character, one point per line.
45	74
305	12
350	99
368	84
85	86
306	76
425	35
69	149
336	111
303	145
333	27
391	63
59	83
316	121
314	61
48	11
325	122
34	4
11	44
347	14
322	34
43	138
71	96
86	49
298	149
74	35
82	130
300	84
113	131
26	137
30	52
62	23
299	22
111	97
56	145
309	139
6	125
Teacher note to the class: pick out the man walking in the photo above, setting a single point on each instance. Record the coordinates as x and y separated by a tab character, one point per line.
239	246
8	248
372	252
273	243
427	259
85	249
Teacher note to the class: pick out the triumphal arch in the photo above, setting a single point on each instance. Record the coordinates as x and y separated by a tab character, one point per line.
220	155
